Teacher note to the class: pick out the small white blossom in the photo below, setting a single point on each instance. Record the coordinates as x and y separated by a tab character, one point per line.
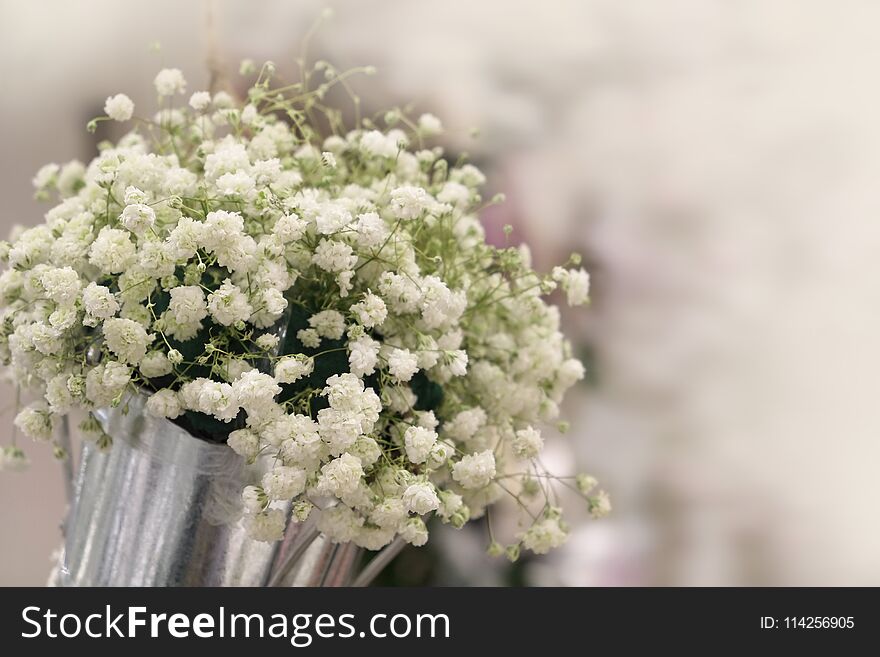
414	532
267	341
284	482
164	403
155	364
266	526
576	284
328	324
600	504
379	145
112	251
211	398
527	443
334	256
430	125
475	470
35	421
289	228
419	442
402	364
255	392
370	311
119	107
371	230
61	285
390	512
420	498
440	454
363	355
409	202
138	218
544	535
127	339
187	304
290	369
228	304
200	101
170	81
46	175
309	337
341	476
246	443
254	499
106	382
331	218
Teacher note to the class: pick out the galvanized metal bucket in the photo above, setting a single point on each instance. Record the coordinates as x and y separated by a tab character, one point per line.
163	508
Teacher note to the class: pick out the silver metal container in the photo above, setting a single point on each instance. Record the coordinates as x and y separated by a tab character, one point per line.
161	508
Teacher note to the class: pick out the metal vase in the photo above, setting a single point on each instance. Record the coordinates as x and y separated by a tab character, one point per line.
161	508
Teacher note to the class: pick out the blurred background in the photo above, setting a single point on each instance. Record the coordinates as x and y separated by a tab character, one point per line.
715	162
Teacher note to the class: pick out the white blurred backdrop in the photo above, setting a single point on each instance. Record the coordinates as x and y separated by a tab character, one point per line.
717	164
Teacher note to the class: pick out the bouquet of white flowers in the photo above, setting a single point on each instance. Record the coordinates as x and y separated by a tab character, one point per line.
294	288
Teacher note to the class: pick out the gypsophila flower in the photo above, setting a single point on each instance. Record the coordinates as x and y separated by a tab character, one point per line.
420	498
46	176
544	535
363	356
112	252
328	324
170	81
35	421
600	504
402	364
127	339
155	364
119	107
419	442
245	443
284	482
527	443
164	403
414	532
408	202
200	100
289	228
292	368
370	311
138	218
187	305
255	391
430	125
309	337
61	285
319	297
228	304
267	341
475	470
106	382
254	499
389	512
585	483
575	283
441	452
340	476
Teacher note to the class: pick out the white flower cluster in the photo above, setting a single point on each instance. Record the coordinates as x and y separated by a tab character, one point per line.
330	303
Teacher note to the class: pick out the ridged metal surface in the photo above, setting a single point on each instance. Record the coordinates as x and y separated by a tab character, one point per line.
161	508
